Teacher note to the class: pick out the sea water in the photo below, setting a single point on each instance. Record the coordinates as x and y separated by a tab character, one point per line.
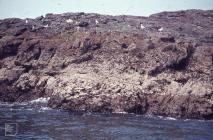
34	120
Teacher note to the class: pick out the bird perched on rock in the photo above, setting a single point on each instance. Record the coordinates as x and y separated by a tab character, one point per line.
161	29
45	26
69	21
96	21
141	26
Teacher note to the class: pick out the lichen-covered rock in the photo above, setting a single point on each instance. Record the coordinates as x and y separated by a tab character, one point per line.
107	63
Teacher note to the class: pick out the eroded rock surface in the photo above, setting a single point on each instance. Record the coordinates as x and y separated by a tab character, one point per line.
157	65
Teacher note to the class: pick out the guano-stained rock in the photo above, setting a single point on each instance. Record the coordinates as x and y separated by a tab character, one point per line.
105	63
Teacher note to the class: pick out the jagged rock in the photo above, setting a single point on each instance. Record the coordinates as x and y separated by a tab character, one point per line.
83	24
112	65
9	47
168	39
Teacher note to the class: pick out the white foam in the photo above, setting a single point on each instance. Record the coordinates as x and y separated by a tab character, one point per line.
22	103
186	120
40	100
6	104
12	104
170	118
166	118
161	117
45	108
121	112
15	109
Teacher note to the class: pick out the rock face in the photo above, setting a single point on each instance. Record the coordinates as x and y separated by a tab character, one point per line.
157	65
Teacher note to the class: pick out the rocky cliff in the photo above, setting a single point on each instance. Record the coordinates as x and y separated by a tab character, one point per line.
157	65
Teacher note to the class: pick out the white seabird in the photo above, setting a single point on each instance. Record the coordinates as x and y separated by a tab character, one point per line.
142	27
26	21
46	26
96	21
78	28
161	29
76	22
69	21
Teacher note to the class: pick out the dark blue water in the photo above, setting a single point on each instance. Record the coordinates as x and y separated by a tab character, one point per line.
36	122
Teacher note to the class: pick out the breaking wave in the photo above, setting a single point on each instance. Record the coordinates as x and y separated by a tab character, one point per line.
40	100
